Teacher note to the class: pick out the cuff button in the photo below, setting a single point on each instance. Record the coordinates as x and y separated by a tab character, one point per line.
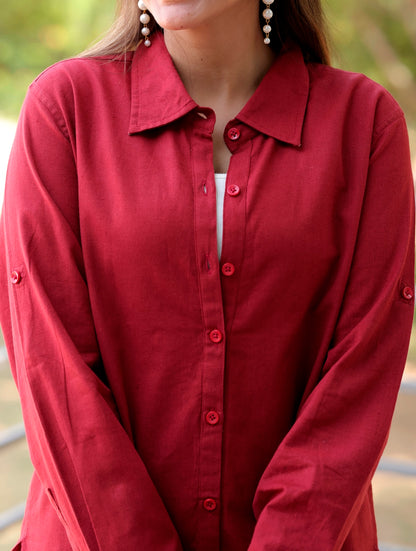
407	293
15	277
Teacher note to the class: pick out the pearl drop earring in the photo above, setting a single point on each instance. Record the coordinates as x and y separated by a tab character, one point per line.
267	14
144	20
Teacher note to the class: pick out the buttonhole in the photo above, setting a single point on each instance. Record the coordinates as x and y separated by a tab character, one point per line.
208	263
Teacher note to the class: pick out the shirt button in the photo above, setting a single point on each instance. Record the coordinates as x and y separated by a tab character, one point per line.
407	293
210	504
212	418
15	277
233	134
228	269
233	190
215	336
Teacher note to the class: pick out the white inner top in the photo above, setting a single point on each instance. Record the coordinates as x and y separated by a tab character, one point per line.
220	192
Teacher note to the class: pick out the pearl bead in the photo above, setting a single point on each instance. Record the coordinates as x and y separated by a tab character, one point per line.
267	40
267	29
267	14
147	43
142	5
268	2
145	31
144	18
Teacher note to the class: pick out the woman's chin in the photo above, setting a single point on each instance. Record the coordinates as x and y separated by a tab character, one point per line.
174	18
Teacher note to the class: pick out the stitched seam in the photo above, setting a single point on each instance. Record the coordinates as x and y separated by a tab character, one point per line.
397	115
51	108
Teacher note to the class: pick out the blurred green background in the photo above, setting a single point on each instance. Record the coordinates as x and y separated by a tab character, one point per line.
376	37
36	33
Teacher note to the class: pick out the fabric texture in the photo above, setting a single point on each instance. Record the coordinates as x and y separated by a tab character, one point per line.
175	401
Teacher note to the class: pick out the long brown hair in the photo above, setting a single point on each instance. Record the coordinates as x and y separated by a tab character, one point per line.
301	21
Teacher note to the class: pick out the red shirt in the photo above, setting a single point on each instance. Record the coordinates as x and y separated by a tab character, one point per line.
177	402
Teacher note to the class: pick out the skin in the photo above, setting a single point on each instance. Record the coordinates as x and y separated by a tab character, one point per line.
217	47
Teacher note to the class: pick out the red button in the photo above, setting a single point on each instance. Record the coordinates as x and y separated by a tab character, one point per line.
215	335
233	190
233	134
212	418
16	277
210	504
407	293
228	269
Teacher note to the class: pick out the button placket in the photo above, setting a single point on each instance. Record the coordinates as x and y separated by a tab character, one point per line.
235	205
212	374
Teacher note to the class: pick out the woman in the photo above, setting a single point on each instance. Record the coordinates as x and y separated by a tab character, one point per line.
187	386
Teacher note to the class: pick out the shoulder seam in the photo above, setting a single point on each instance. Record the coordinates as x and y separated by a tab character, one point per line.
396	115
51	107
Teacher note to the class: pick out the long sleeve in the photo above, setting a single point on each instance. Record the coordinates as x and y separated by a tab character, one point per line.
86	461
313	488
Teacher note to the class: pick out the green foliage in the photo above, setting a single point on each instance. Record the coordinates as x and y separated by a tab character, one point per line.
35	34
376	37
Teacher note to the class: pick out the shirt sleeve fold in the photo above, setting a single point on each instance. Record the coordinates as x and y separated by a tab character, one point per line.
88	465
313	488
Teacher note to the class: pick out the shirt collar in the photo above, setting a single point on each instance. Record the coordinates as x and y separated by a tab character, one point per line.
277	107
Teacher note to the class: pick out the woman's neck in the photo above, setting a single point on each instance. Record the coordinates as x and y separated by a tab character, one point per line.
223	62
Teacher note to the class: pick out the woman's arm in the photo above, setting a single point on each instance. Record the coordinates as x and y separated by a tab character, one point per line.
89	467
313	488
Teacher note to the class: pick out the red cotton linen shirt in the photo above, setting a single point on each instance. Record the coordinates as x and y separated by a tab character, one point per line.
175	402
